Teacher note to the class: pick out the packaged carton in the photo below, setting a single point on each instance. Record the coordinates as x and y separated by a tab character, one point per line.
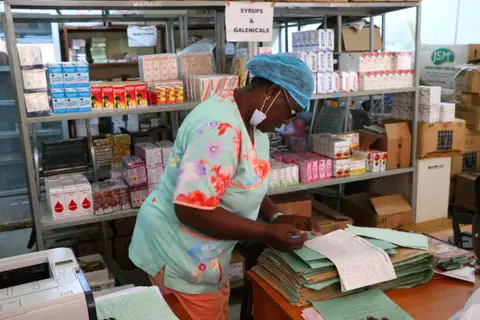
348	167
71	100
330	146
326	219
107	97
472	141
55	75
96	97
119	96
465	193
295	203
141	94
468	81
467	162
469	113
130	101
389	212
441	139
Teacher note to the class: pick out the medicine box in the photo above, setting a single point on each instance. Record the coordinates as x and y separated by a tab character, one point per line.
55	75
71	99
81	72
69	73
430	95
57	97
83	95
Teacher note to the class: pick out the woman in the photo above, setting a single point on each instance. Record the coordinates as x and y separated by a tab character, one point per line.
215	186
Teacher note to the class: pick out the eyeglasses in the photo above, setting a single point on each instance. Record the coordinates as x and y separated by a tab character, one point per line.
293	113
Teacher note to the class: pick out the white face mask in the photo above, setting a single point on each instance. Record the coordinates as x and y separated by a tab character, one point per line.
259	116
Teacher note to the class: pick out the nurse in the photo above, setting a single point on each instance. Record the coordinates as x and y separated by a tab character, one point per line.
215	187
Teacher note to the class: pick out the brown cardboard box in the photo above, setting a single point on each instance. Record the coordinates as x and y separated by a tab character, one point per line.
326	219
467	162
472	141
390	211
358	41
465	195
439	228
469	113
468	98
473	52
125	226
397	142
297	203
468	81
236	270
450	135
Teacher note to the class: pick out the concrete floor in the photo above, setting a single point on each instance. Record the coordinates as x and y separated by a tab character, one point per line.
14	243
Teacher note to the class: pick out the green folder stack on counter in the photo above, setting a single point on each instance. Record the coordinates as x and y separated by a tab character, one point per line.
305	275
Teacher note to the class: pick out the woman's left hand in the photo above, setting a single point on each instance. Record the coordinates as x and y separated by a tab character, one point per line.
299	222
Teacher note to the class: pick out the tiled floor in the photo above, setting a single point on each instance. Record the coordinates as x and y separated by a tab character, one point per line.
15	242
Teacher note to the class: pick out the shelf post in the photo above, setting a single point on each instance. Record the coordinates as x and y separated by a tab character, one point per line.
415	111
17	87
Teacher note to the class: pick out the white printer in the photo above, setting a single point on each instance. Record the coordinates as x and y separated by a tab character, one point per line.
44	285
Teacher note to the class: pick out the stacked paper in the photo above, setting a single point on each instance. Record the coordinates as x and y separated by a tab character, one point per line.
98	50
305	275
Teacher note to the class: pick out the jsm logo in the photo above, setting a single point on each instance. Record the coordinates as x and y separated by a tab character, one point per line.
442	56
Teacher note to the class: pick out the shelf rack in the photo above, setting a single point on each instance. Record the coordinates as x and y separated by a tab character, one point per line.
286	10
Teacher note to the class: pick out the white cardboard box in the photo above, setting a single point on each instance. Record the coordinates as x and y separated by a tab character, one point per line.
95	276
433	188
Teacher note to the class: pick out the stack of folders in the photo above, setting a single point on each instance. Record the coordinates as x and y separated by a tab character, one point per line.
304	276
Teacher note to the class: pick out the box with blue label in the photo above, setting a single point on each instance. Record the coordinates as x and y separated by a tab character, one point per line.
81	72
69	72
55	75
71	99
83	94
57	100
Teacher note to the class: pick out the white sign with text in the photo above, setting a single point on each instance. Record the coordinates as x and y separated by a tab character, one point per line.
249	21
142	36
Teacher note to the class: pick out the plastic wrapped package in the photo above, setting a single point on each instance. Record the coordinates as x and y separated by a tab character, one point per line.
158	67
197	59
110	196
37	104
138	194
134	171
121	146
103	152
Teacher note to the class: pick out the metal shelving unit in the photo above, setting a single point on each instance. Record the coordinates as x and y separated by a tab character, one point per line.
287	10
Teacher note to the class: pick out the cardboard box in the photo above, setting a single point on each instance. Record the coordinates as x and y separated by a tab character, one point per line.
236	270
390	211
441	228
358	41
441	139
438	62
96	275
471	114
326	219
472	141
468	98
397	142
468	81
467	162
465	195
296	203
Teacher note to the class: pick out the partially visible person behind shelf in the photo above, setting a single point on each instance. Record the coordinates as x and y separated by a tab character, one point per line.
215	186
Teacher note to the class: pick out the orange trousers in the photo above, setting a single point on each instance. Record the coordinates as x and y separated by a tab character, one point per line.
209	306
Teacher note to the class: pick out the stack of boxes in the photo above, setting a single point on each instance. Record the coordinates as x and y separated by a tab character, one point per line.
338	148
283	174
121	146
135	176
311	166
34	81
69	195
69	87
379	70
165	92
118	95
201	87
152	155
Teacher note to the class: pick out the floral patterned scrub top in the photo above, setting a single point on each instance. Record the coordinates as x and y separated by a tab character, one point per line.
213	163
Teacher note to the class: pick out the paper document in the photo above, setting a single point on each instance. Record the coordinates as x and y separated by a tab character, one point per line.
311	314
370	303
465	274
134	304
400	238
359	264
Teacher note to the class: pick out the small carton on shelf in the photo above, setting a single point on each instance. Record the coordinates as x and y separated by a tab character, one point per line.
429	95
119	96
141	94
348	167
441	139
472	141
468	81
107	97
71	100
376	160
330	146
96	97
130	96
447	112
57	99
389	212
55	75
467	162
83	96
69	73
471	114
94	268
151	153
56	199
81	72
34	79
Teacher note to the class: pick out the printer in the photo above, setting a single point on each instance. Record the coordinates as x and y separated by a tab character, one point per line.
44	285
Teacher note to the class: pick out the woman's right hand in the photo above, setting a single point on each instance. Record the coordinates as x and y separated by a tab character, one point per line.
285	237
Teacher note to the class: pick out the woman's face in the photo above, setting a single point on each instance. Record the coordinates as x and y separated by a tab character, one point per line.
283	110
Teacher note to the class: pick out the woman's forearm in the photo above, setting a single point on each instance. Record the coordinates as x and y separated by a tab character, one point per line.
222	224
267	209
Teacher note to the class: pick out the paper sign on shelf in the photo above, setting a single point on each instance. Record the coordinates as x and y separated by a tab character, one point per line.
142	36
249	21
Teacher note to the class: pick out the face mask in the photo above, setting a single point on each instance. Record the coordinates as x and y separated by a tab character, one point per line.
259	116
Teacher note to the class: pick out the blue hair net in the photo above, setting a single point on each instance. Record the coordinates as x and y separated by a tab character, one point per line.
291	73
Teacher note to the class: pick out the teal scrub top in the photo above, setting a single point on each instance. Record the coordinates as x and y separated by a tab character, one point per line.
213	163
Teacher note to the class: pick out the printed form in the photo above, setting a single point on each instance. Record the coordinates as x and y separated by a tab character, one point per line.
359	264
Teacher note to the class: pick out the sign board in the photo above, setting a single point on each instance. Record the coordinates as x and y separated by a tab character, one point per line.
142	36
249	21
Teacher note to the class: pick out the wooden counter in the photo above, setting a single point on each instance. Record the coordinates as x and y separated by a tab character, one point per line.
439	299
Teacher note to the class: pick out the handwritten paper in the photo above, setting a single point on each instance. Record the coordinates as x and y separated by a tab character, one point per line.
359	264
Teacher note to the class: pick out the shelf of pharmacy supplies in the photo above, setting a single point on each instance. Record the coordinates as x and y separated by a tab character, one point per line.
115	112
362	93
331	8
48	223
113	64
337	181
